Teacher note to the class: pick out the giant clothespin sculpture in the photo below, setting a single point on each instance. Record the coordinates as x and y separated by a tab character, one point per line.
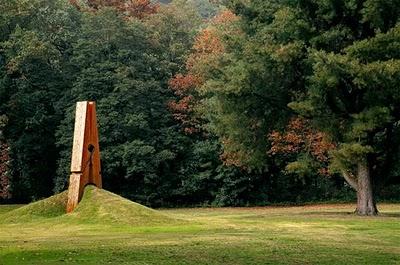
85	161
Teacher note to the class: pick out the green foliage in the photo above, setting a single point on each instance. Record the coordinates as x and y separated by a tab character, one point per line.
32	79
126	74
351	92
174	27
368	121
54	55
207	9
348	155
247	92
303	166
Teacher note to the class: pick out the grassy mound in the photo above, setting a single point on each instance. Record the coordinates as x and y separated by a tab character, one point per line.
48	208
96	206
101	206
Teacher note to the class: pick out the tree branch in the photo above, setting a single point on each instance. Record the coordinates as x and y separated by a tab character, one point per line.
351	180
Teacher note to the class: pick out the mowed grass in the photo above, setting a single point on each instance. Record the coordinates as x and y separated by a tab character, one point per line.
96	234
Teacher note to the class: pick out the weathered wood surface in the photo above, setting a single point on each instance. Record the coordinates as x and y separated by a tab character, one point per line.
85	160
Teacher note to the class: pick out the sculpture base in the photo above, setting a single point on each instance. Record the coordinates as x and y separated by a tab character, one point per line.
73	191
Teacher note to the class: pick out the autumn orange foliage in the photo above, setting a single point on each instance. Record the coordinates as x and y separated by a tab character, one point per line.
206	47
181	84
224	17
299	136
131	8
208	42
232	158
182	108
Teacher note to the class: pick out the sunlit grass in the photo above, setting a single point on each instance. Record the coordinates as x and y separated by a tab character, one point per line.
323	234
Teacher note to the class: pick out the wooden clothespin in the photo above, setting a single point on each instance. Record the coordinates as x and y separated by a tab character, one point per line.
85	161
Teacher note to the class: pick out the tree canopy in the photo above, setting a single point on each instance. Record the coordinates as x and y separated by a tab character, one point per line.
332	63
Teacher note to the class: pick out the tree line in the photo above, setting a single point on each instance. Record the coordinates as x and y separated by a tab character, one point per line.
205	102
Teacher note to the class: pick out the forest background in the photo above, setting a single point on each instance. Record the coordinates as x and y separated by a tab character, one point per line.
201	102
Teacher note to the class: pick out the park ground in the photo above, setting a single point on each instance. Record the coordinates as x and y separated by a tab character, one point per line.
314	234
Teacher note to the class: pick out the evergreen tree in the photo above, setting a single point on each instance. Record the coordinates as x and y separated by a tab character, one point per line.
336	59
352	94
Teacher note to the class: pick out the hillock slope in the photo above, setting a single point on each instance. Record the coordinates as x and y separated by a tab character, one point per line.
96	206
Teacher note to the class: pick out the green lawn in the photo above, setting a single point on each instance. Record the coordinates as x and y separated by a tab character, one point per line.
320	234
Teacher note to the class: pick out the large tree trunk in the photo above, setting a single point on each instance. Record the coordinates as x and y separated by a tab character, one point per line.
365	198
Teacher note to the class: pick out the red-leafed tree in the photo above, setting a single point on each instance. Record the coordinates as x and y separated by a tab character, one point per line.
4	162
300	138
205	51
4	178
183	108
